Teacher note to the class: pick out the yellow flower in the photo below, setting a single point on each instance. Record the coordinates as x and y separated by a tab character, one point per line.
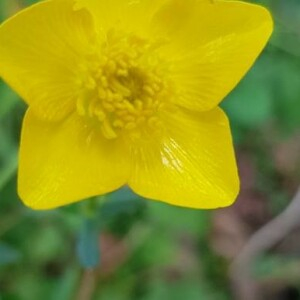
127	92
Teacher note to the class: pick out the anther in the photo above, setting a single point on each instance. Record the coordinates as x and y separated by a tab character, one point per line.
108	131
109	107
118	124
124	86
80	104
90	83
130	126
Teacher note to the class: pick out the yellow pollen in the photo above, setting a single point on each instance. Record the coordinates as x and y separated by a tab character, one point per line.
124	88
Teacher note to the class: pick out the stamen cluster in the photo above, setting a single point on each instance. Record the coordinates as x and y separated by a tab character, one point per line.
125	85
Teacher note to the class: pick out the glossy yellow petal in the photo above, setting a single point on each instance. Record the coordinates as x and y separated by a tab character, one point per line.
41	49
212	44
189	164
64	162
125	15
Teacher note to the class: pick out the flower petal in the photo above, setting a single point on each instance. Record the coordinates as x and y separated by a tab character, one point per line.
40	53
192	164
64	162
126	15
212	44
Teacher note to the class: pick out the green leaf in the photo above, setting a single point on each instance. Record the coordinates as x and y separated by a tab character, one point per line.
179	219
287	93
8	255
183	289
46	244
251	103
8	171
287	22
8	101
88	247
67	285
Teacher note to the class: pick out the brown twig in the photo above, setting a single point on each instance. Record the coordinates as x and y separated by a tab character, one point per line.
245	286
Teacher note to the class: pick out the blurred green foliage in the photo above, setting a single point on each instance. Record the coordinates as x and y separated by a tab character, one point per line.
159	252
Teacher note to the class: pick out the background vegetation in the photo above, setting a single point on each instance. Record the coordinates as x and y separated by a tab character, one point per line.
152	251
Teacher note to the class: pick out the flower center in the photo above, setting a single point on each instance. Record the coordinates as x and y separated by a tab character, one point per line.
125	86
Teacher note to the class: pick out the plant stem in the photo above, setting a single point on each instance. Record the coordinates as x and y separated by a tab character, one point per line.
87	285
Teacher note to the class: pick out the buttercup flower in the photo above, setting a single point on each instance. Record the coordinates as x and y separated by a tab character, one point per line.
127	92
